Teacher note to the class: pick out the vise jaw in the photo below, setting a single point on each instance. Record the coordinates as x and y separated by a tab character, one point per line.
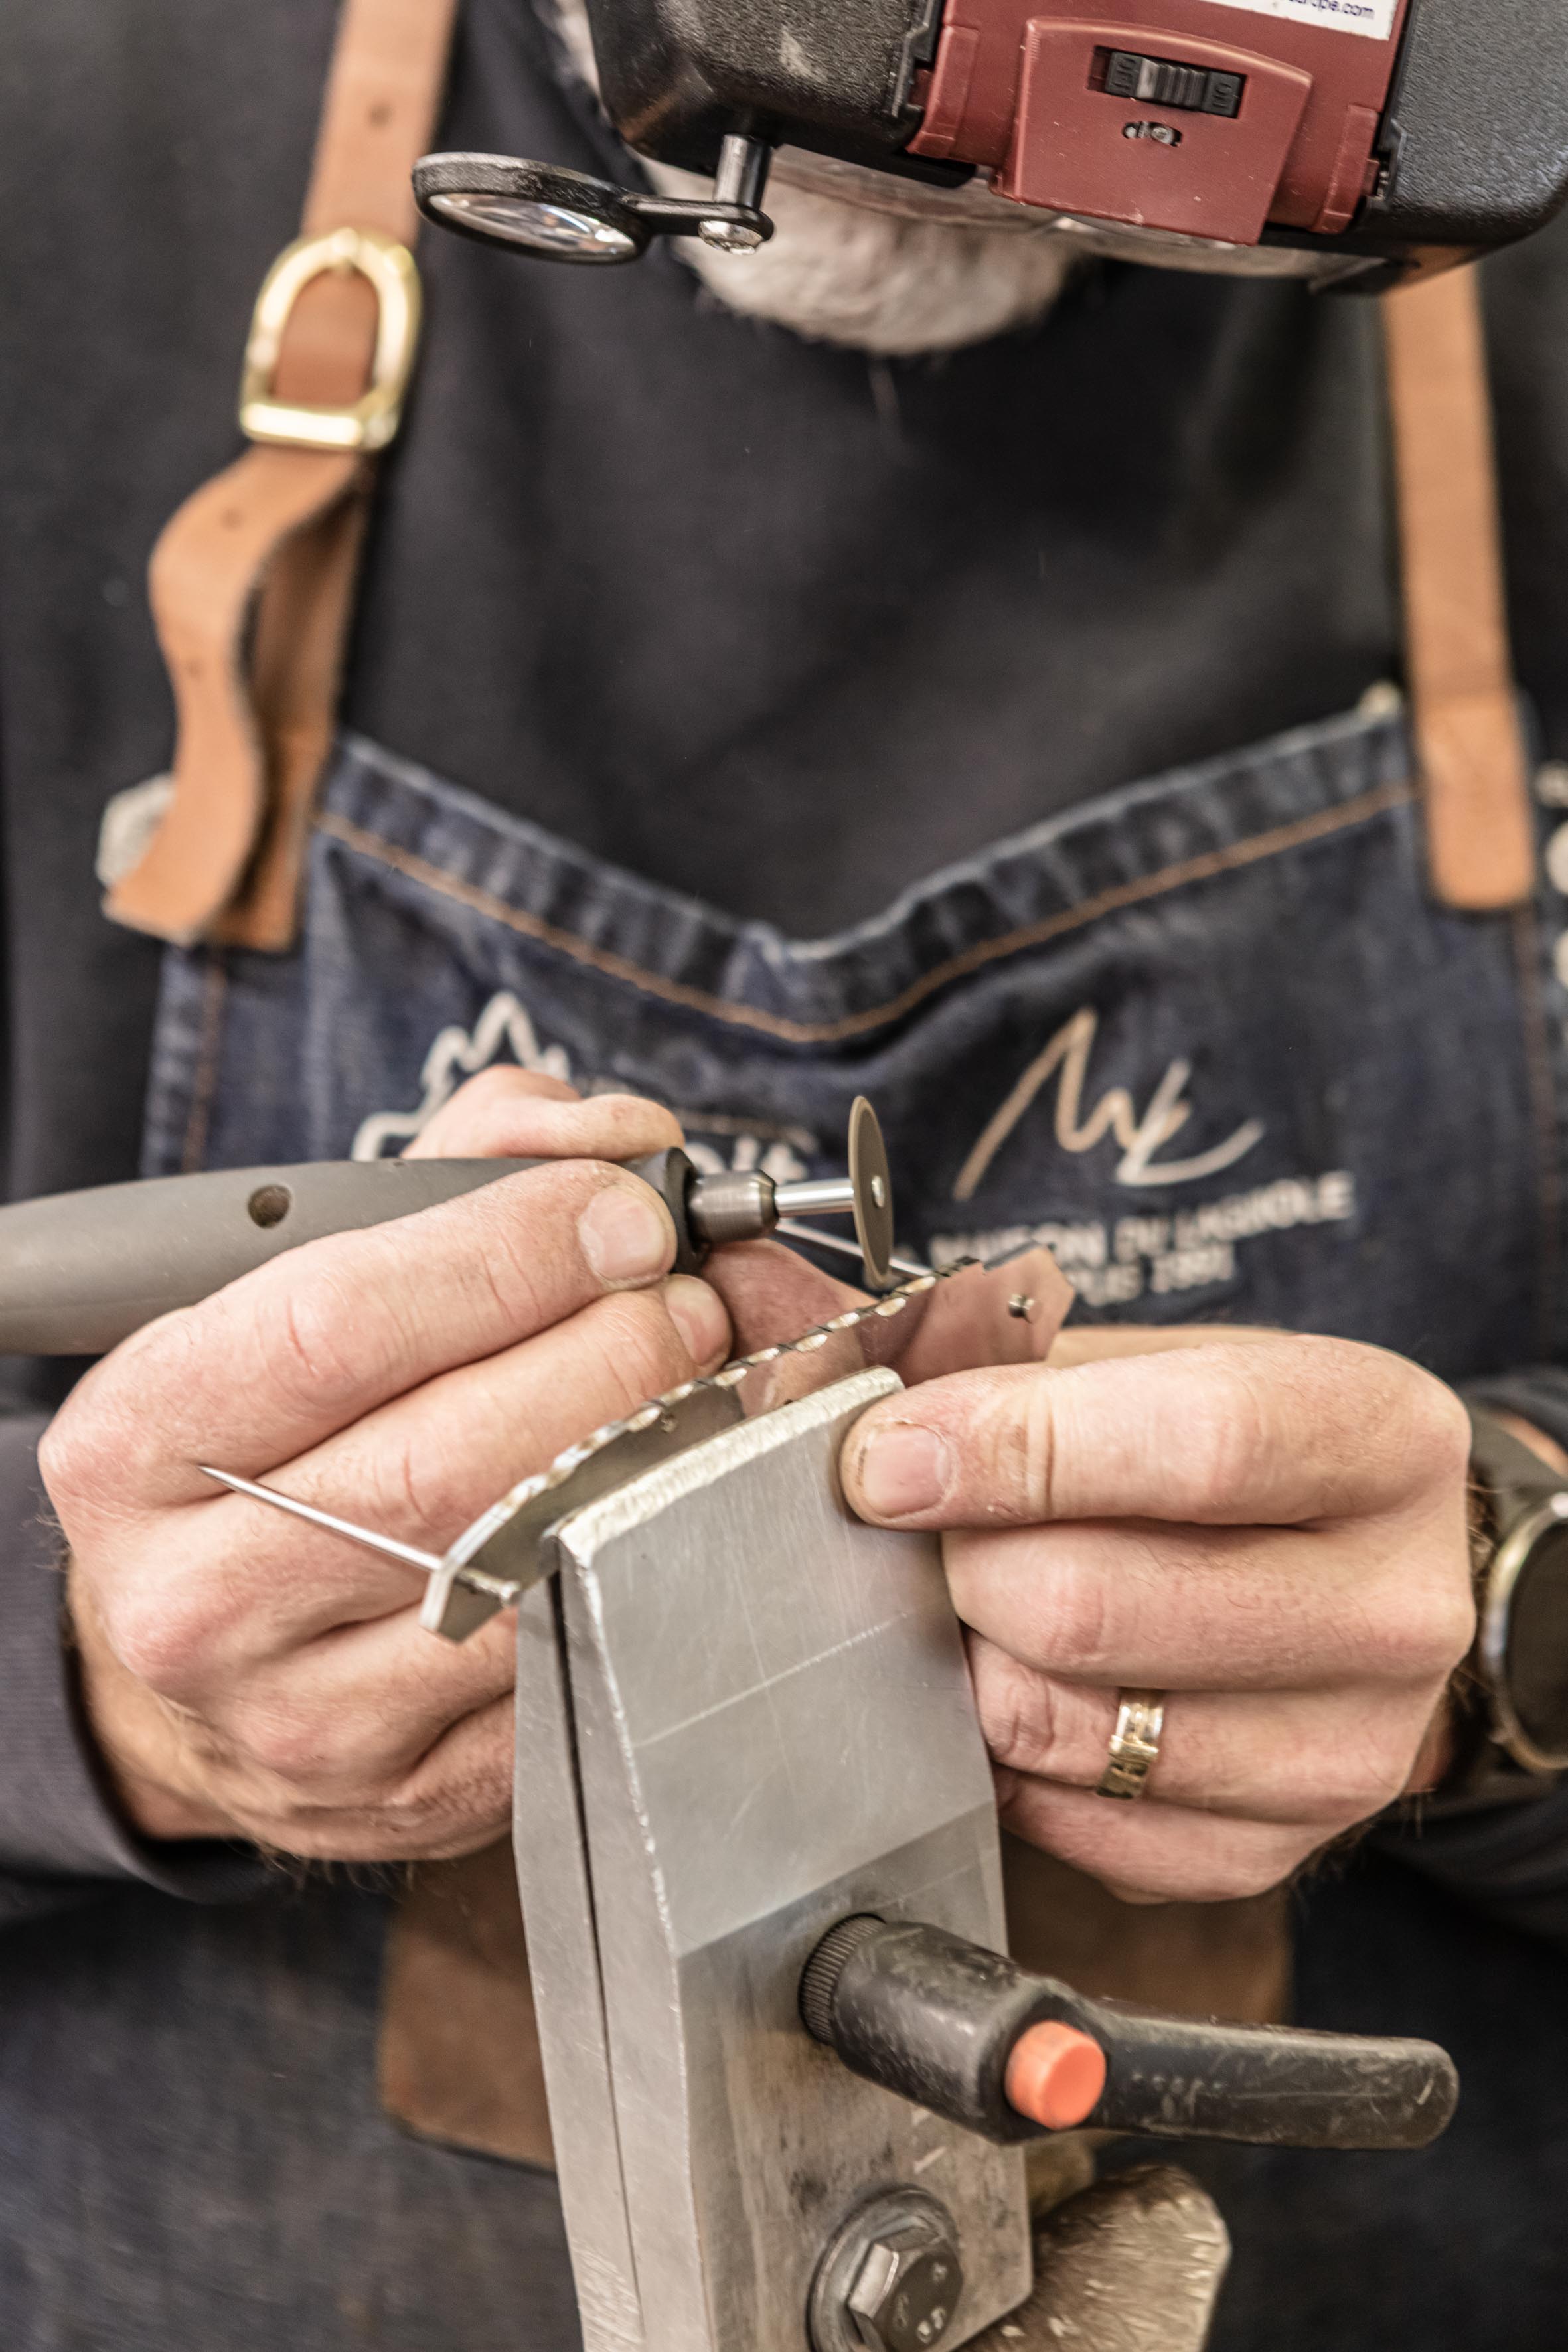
742	1716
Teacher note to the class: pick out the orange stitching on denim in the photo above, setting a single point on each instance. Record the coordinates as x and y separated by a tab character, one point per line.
959	967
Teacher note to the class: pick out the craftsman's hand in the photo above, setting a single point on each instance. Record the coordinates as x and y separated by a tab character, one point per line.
1269	1529
246	1676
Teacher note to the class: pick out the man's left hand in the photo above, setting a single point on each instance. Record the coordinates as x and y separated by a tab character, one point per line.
1271	1529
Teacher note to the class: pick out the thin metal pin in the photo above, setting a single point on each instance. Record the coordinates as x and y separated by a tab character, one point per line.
426	1562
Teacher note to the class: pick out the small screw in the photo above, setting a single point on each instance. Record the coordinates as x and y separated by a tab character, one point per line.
1022	1307
878	1192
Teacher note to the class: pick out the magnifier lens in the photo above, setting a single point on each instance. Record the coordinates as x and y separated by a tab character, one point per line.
538	209
554	230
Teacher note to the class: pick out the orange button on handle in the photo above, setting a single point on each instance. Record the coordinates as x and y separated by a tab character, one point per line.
1055	2074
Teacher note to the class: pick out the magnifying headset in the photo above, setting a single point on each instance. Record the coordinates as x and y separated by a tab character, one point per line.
1352	143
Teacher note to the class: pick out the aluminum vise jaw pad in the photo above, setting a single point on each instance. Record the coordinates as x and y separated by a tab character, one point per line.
743	1714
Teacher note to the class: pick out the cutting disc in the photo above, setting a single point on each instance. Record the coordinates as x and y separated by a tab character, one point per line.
873	1182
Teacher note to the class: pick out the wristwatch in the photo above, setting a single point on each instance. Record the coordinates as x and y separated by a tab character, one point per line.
1519	1662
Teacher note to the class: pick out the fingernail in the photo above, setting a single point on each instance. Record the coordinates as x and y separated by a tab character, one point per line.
625	1234
903	1468
697	1313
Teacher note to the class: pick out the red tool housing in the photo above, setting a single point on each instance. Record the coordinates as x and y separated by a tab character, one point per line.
1206	117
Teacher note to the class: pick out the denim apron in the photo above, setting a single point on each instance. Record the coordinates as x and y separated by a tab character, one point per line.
1207	1036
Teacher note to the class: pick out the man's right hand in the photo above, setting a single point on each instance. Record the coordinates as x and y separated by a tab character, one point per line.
250	1676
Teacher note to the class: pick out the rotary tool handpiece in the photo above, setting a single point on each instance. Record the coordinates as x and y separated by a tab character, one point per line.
80	1271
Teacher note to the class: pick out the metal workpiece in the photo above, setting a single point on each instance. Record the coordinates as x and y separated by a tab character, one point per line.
762	1707
508	1548
496	1560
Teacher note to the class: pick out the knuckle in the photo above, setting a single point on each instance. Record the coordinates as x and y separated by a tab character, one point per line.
641	1348
415	1823
422	1482
310	1336
303	1749
1079	1630
501	1083
627	1116
1447	1629
1239	1868
1230	1446
72	1456
1020	1711
1417	1628
112	1427
1035	1447
1439	1434
288	1744
166	1636
1360	1781
1373	1398
506	1266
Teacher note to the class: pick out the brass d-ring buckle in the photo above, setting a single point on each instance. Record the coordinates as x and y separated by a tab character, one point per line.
371	422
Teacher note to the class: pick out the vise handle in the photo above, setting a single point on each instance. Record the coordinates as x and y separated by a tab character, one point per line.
970	2035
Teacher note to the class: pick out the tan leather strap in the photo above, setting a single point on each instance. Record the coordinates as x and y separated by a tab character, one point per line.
252	579
1463	707
460	2058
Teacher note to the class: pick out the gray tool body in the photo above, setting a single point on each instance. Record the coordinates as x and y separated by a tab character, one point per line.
80	1271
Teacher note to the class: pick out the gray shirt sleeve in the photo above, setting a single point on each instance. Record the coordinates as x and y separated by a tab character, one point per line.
61	1839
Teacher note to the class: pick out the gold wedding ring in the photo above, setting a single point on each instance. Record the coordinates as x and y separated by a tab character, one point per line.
1135	1744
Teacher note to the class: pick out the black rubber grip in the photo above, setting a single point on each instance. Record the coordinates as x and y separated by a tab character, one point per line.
80	1271
935	2017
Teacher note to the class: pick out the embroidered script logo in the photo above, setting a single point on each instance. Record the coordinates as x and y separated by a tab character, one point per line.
1066	1059
504	1029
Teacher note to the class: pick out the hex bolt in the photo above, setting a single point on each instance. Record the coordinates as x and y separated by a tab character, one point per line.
890	2277
906	2289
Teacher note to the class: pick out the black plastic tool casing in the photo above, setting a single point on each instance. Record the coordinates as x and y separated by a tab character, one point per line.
1475	139
678	75
1473	148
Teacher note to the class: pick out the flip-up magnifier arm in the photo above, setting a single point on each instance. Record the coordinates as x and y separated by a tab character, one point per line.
555	215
